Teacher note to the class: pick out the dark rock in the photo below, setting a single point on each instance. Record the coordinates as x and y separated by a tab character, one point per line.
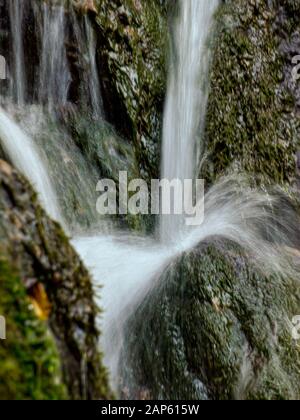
37	248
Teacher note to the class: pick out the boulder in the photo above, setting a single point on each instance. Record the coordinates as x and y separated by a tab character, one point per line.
214	328
36	257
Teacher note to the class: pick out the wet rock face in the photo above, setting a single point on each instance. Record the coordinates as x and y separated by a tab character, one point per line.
253	111
214	329
30	366
132	49
40	254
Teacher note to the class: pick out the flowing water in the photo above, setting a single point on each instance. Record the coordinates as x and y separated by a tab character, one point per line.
54	72
59	38
16	11
129	266
23	152
186	101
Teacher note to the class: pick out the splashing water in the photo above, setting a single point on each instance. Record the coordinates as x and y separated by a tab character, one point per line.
126	267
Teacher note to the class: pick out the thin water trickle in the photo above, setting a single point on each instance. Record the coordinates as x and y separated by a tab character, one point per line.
54	72
16	11
186	101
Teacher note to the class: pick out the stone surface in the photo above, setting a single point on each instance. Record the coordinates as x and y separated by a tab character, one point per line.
132	49
38	252
253	119
214	329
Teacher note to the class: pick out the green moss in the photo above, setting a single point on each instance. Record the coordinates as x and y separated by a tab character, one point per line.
251	124
30	367
220	330
103	148
133	38
38	251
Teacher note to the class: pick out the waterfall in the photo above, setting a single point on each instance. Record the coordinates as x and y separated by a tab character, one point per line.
16	11
54	73
24	154
40	95
51	74
129	266
186	100
92	79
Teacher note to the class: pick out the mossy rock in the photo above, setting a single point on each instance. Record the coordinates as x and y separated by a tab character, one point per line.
30	367
102	147
109	154
214	328
132	49
253	120
38	251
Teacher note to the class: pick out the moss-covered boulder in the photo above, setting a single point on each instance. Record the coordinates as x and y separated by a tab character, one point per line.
132	49
108	154
103	148
214	329
36	256
253	119
30	365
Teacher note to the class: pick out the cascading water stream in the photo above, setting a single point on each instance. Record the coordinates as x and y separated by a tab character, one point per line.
54	73
128	267
52	76
25	156
86	40
186	102
44	139
16	19
141	261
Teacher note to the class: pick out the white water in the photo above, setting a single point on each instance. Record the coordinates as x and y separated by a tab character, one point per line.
16	19
52	76
54	73
23	153
186	101
128	267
